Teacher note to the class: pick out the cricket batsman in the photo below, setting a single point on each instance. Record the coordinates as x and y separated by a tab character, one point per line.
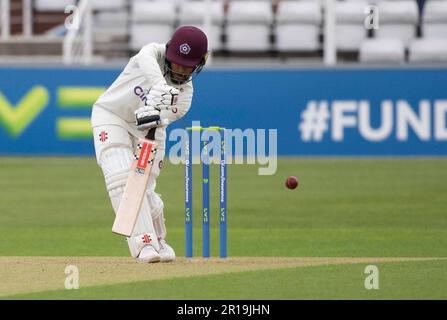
156	84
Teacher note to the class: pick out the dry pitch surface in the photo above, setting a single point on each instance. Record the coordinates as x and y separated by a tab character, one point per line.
35	274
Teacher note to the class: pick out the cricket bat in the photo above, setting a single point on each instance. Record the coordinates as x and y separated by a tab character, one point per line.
136	185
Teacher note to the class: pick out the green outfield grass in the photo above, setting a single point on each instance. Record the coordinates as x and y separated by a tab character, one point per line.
414	280
342	208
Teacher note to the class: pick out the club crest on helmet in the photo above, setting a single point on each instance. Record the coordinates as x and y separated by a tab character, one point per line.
185	48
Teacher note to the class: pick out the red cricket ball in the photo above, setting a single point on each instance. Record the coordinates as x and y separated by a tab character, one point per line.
291	182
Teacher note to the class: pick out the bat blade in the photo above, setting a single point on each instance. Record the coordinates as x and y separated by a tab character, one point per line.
135	189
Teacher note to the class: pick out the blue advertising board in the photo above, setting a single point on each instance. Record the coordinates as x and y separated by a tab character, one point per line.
353	111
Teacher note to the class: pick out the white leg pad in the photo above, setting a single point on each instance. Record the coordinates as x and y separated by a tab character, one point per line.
115	163
157	213
138	242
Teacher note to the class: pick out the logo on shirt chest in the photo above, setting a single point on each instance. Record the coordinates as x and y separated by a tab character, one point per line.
141	93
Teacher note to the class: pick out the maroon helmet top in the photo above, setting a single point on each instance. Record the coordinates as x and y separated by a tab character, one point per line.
187	46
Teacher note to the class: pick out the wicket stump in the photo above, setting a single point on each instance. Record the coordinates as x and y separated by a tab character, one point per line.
205	157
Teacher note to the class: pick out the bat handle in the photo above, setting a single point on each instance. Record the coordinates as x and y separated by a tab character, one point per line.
151	134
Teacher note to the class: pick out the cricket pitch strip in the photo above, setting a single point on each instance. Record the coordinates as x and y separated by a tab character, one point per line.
35	274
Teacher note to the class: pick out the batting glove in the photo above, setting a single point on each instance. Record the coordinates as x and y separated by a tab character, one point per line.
148	117
163	96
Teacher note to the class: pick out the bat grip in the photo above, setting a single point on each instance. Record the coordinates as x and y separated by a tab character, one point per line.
151	134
